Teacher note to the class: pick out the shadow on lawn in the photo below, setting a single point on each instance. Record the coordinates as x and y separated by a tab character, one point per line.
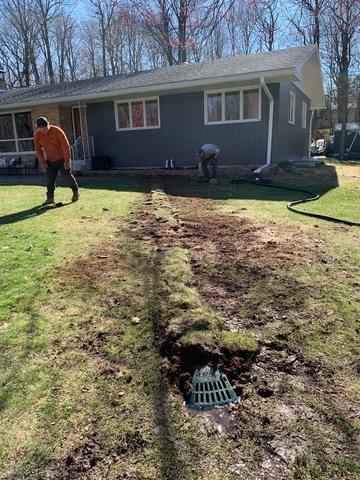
29	213
120	183
320	180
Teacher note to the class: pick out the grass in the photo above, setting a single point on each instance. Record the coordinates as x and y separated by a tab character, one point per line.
33	241
236	342
340	188
38	309
79	378
322	313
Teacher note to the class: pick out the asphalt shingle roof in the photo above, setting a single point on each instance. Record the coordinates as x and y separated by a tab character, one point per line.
245	64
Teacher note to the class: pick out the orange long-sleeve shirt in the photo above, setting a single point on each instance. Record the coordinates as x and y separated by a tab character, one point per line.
55	145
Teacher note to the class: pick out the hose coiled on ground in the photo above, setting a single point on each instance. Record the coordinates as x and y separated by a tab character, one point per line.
290	205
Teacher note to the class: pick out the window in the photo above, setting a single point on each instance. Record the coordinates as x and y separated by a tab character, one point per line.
214	107
226	106
16	133
292	100
152	113
232	106
137	114
304	115
251	104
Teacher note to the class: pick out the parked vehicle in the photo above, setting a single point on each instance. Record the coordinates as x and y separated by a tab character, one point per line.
352	140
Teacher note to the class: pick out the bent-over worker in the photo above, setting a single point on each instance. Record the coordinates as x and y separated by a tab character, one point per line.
208	155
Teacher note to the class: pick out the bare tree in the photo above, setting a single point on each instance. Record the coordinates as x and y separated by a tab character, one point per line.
90	51
64	31
10	59
342	27
157	21
176	24
19	41
241	24
104	11
267	16
307	19
125	41
46	12
73	52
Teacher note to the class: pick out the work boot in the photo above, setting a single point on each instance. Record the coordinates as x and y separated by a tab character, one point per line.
49	201
75	196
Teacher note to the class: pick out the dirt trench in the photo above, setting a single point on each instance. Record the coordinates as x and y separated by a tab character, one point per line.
164	231
239	270
243	272
233	262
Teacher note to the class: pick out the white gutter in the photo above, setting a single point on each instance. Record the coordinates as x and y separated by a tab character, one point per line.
310	130
270	127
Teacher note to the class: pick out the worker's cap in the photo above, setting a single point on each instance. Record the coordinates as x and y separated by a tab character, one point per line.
42	122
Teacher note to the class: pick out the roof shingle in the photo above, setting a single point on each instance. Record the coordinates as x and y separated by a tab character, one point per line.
245	64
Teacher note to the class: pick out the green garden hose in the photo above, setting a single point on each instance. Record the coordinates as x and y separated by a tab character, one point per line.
290	205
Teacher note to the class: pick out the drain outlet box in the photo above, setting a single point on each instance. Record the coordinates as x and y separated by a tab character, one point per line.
211	388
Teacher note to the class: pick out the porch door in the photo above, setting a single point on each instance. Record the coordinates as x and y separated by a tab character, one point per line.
76	123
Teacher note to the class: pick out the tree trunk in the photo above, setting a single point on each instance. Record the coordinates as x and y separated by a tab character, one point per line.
343	94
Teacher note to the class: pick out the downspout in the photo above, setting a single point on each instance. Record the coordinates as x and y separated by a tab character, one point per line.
270	127
310	130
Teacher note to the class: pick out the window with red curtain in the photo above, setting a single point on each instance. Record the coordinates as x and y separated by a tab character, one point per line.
137	113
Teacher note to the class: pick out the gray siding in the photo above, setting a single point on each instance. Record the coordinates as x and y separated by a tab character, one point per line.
292	140
182	132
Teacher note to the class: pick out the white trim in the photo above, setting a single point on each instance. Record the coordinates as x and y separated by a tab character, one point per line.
307	57
310	130
15	130
304	115
241	99
73	119
129	101
292	111
270	127
222	92
16	139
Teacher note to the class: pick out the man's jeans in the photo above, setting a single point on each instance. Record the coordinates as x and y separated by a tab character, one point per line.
52	171
212	162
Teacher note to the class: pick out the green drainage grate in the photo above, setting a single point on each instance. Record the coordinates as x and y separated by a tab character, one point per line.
210	389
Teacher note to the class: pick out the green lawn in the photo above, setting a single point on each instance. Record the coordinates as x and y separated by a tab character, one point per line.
79	377
39	308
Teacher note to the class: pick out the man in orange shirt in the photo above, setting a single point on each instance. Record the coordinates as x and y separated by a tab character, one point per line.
54	154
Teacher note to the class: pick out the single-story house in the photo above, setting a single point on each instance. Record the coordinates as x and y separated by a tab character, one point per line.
257	108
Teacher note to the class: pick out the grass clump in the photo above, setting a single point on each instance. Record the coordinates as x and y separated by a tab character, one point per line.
177	268
200	337
188	318
236	342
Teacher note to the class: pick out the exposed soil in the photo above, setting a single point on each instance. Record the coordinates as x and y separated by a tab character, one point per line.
89	460
235	264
